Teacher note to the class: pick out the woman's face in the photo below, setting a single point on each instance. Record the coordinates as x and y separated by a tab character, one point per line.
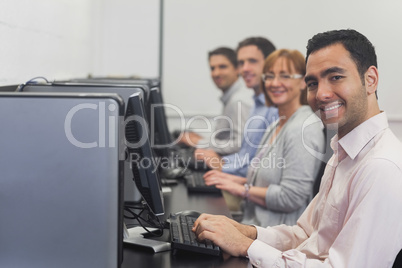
283	85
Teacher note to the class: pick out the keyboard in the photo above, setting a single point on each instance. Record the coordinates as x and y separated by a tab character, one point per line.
183	238
188	160
195	183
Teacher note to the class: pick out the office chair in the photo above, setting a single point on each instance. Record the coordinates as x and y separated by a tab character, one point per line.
328	134
317	181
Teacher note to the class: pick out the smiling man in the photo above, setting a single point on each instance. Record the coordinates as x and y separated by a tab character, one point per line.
251	54
237	102
345	99
355	220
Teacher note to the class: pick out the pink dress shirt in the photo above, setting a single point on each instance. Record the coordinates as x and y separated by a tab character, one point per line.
356	218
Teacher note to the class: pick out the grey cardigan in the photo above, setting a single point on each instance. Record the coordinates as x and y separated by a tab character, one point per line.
287	169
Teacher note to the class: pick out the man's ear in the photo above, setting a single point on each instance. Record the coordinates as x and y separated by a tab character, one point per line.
371	80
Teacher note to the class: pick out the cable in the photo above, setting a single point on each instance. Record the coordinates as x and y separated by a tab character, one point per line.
151	220
35	78
31	81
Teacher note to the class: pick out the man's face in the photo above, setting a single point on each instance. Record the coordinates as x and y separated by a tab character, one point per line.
223	72
251	61
335	89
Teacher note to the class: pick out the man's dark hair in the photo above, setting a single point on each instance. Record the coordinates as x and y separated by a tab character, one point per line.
360	48
262	44
229	53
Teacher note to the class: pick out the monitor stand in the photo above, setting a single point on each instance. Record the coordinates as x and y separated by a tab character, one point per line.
135	236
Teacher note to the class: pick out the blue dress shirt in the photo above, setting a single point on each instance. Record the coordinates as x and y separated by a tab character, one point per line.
260	118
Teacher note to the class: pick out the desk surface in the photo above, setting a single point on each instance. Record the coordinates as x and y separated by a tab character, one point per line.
178	200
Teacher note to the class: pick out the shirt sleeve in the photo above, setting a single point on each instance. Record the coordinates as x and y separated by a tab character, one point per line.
272	247
370	236
228	133
300	169
236	164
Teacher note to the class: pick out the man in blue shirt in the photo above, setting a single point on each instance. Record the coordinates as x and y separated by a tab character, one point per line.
251	54
237	104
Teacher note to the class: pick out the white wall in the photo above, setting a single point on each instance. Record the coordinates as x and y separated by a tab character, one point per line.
44	38
73	38
128	38
65	39
192	28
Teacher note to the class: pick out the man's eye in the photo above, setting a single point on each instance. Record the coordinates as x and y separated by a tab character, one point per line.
336	77
312	85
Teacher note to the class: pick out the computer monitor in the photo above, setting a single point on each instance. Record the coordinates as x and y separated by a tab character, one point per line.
141	157
149	82
61	179
160	136
159	133
8	88
131	193
161	139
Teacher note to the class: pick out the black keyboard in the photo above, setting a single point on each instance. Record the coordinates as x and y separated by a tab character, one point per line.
188	160
195	183
184	239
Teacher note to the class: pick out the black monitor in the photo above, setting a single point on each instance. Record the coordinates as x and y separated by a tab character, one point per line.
131	193
161	140
148	82
140	154
160	136
107	83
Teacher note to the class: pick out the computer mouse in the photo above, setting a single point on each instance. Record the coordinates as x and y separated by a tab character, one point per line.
191	213
174	173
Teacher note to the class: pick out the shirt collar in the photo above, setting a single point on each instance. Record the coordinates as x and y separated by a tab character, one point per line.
353	142
259	99
236	86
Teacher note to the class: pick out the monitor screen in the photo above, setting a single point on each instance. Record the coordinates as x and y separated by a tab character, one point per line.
140	155
131	193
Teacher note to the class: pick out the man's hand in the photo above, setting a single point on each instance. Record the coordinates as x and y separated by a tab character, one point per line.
220	174
189	138
231	236
227	182
210	157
